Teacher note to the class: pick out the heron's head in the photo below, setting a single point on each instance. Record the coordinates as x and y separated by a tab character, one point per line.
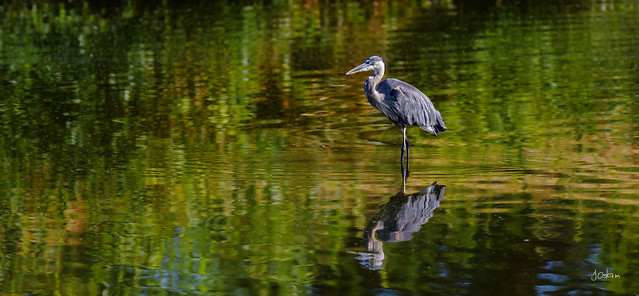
373	63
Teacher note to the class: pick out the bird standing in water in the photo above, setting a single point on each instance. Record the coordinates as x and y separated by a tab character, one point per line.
400	102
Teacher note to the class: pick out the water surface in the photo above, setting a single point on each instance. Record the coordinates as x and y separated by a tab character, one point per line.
187	148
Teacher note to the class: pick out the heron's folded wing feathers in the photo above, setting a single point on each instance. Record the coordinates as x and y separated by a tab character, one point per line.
411	105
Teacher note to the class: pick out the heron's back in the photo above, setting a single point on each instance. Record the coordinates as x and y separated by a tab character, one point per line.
406	105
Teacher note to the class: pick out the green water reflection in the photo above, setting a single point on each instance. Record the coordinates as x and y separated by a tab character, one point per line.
163	148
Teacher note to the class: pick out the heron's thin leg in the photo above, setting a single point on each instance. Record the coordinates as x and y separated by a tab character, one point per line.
405	145
403	189
407	148
401	158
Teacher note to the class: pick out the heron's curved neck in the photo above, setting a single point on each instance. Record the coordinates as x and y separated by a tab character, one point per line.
371	84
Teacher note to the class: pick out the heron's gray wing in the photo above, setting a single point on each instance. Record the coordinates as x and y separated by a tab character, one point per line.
411	105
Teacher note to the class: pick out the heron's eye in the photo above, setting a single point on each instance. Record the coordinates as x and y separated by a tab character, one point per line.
373	63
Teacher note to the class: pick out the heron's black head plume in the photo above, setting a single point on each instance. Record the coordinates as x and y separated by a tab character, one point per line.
373	63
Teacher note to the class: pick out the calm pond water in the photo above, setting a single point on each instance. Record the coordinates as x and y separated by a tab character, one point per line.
187	148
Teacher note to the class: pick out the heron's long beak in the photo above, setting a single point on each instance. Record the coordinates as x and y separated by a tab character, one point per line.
360	68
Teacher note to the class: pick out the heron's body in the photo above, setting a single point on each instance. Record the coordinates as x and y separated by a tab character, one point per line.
405	105
402	103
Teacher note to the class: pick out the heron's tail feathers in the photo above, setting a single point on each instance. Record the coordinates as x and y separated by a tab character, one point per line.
436	126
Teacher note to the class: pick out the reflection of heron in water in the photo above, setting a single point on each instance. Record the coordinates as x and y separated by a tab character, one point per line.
397	220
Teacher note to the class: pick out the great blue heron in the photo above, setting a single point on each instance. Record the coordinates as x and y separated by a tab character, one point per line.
400	102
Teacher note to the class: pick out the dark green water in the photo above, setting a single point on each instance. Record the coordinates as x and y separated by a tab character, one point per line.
182	148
